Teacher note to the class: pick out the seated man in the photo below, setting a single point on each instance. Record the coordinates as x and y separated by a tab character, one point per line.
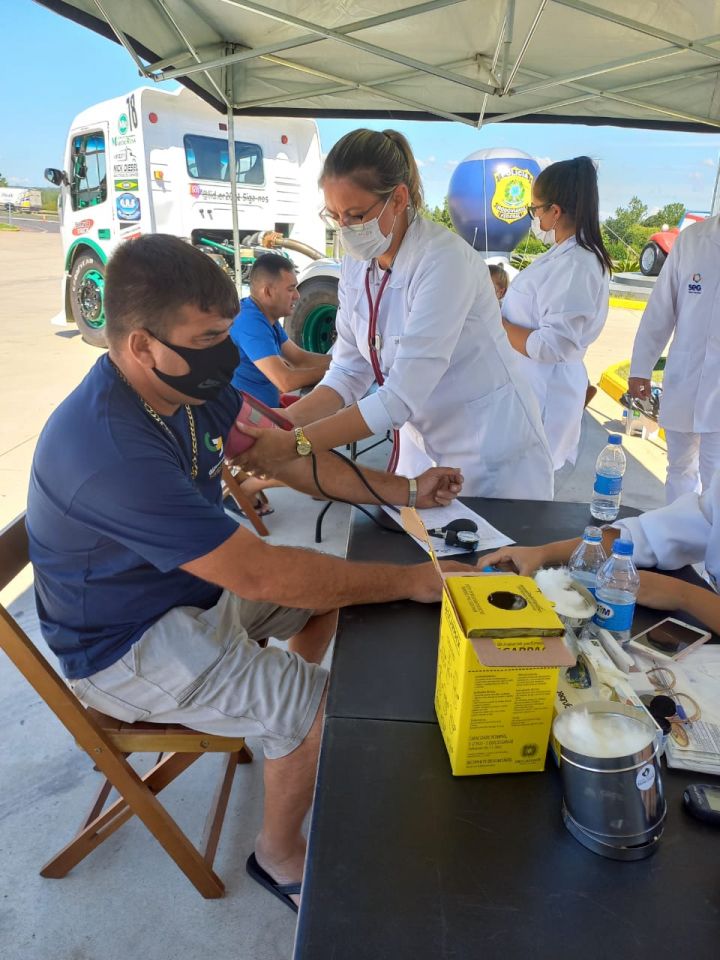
686	531
270	364
151	597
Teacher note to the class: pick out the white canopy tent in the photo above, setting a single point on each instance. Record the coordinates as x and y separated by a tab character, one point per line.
638	63
624	62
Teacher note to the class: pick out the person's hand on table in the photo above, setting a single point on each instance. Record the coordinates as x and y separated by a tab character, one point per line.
640	388
272	448
513	559
438	486
659	591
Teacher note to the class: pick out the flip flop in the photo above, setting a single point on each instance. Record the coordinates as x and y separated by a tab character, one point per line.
280	890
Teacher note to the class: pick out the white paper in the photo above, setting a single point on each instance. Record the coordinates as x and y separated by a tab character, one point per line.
436	517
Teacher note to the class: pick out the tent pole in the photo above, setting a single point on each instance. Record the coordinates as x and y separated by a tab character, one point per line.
233	195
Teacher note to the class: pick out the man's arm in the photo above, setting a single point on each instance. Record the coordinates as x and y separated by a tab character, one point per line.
668	593
255	570
297	357
286	377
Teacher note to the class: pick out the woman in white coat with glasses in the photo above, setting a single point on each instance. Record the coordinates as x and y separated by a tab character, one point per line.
557	306
418	316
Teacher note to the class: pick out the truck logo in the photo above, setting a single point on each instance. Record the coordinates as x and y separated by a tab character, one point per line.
123	185
128	206
125	163
195	190
81	227
123	124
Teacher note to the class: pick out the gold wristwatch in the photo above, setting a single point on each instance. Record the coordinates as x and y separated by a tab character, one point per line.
302	444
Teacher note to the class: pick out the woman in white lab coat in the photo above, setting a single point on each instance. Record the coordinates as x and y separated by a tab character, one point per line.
419	316
557	306
685	304
687	531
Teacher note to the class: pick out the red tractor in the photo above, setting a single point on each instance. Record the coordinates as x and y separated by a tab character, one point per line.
655	251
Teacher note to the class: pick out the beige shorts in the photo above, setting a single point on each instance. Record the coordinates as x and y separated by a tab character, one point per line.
204	669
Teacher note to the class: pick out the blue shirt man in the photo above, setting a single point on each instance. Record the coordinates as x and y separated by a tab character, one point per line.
270	363
256	338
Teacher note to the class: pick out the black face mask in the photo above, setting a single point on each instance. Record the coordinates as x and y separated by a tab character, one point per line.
211	369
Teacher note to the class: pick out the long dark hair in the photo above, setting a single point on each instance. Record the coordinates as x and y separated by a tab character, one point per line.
572	185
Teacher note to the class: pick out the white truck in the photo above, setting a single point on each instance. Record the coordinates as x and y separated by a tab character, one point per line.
157	162
20	199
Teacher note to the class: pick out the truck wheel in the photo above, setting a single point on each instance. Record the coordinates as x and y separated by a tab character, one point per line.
651	259
312	323
87	289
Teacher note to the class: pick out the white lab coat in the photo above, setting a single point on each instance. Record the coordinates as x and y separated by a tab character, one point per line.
686	531
563	297
686	301
451	380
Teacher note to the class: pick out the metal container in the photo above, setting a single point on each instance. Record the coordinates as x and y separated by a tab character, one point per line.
614	806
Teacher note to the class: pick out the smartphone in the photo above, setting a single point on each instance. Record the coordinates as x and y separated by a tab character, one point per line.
669	639
253	413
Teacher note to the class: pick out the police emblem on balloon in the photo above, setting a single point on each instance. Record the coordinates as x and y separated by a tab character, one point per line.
488	198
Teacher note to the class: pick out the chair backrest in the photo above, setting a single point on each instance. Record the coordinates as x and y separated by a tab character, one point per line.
27	658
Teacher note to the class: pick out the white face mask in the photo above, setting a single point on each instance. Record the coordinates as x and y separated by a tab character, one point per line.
366	241
544	236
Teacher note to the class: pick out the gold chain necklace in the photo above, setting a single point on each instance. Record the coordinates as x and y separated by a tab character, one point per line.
152	412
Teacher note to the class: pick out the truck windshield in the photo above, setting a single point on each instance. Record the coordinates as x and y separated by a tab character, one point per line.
207	159
88	186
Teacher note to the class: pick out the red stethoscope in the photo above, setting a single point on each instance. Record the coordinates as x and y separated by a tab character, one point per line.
374	344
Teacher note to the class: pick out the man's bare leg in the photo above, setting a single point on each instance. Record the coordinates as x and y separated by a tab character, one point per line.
312	641
289	783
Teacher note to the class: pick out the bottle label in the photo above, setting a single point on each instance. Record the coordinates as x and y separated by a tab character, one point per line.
614	616
607	486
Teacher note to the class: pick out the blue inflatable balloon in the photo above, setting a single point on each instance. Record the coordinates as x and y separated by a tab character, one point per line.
488	197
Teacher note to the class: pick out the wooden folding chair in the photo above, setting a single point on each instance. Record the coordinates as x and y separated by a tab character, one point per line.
233	483
108	742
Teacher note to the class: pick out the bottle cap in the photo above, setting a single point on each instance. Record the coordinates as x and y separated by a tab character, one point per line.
623	548
594	534
615	438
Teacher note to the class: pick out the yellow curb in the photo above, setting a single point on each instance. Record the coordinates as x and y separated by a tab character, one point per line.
628	304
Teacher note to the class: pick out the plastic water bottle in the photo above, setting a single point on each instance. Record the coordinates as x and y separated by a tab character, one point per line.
618	583
587	559
609	471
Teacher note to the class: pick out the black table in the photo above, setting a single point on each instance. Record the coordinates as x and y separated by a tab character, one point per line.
406	861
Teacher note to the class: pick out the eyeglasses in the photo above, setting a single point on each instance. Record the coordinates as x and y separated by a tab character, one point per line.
347	220
533	208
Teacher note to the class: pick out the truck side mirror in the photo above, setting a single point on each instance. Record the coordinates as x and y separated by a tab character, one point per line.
56	177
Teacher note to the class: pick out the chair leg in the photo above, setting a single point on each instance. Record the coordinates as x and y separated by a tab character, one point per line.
243	501
216	814
137	797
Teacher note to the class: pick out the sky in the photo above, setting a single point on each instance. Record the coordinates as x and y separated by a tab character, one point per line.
60	68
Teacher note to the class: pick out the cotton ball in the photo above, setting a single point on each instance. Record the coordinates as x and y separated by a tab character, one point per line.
559	587
601	734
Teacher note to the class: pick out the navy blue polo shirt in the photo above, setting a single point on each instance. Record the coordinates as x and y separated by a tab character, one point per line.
113	513
256	338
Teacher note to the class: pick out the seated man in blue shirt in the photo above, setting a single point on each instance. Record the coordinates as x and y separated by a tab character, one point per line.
150	595
270	364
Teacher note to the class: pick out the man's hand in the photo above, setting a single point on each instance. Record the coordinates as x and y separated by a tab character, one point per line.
438	486
660	592
640	388
512	559
426	586
272	449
